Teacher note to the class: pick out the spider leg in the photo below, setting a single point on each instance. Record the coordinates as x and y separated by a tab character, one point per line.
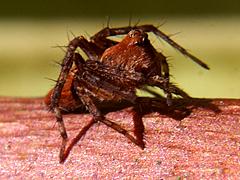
67	65
165	75
86	99
115	75
103	43
147	28
157	32
75	140
62	130
160	81
106	32
56	94
171	88
107	82
122	131
138	125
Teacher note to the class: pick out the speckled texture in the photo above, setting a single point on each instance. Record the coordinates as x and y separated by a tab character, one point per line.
205	144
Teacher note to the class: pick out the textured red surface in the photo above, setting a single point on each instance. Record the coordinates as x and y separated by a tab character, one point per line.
204	144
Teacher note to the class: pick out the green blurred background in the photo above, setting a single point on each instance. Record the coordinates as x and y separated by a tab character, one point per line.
209	29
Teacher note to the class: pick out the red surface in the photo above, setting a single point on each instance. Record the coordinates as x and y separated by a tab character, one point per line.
204	144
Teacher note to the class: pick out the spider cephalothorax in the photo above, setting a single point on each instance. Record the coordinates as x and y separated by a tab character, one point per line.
112	73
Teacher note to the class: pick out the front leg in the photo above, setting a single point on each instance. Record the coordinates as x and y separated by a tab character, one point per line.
56	94
87	100
168	90
157	32
66	66
57	91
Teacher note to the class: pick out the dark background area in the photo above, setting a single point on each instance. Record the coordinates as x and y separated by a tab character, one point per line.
91	8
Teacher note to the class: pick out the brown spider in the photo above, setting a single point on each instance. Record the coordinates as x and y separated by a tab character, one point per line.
112	73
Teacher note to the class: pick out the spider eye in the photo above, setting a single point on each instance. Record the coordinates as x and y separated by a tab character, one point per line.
134	33
131	34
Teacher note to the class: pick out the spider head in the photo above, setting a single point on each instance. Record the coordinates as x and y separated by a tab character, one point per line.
137	37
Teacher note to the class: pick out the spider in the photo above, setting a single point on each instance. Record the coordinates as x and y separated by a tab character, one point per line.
110	75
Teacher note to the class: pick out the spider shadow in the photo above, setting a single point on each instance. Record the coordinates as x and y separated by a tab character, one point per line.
180	109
